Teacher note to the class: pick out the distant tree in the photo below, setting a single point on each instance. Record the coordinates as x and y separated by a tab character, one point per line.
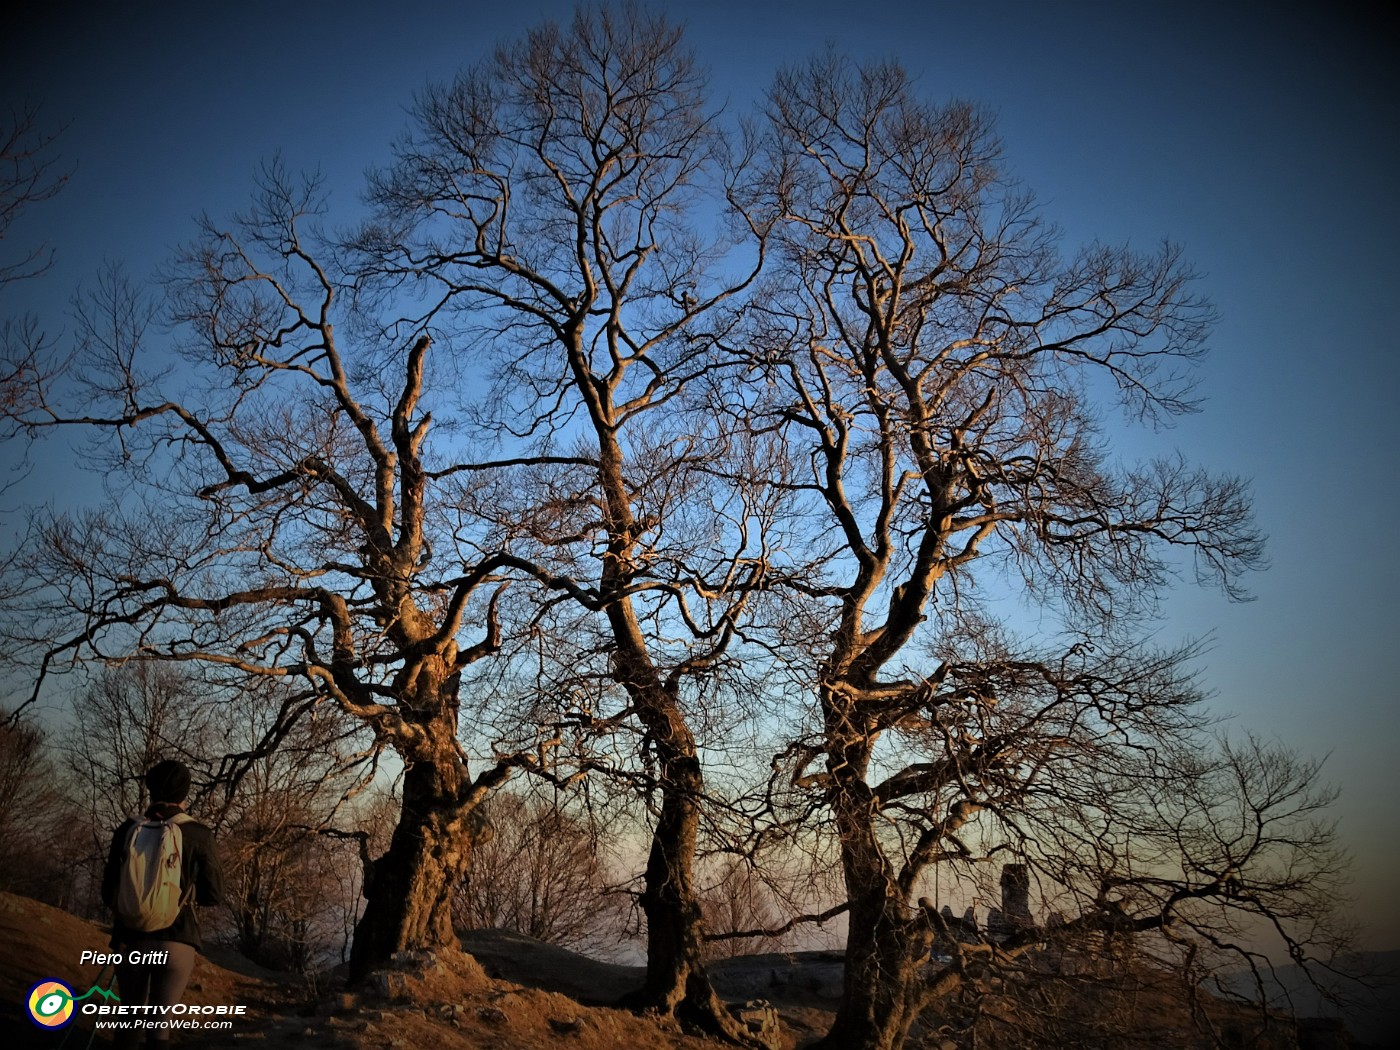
541	872
736	901
283	813
125	721
37	860
290	822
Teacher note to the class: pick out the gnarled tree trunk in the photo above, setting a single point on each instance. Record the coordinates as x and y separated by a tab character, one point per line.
879	997
676	979
408	890
884	946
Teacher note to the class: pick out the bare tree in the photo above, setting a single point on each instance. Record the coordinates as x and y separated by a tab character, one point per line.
284	815
571	208
1250	872
129	718
30	172
38	860
737	901
300	524
280	516
936	362
541	872
122	722
289	824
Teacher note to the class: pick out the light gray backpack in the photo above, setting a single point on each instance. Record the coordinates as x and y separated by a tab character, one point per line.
149	895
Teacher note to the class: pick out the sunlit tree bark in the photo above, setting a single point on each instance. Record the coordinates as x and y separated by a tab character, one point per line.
572	207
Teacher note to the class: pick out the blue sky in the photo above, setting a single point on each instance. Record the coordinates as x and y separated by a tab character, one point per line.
1262	137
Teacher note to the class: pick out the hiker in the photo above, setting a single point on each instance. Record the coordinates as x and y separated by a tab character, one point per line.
159	867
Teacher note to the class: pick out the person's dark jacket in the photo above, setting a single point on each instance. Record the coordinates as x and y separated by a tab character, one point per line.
199	867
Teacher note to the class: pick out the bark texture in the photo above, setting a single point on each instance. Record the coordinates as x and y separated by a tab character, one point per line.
408	889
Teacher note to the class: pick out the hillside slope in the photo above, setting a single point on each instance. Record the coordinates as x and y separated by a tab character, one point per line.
515	993
438	1001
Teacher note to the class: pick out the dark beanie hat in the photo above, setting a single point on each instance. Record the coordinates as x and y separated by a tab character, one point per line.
168	781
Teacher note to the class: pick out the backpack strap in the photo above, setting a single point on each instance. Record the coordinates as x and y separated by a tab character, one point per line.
187	893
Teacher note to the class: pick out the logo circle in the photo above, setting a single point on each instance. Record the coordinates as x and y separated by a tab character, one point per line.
51	1004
